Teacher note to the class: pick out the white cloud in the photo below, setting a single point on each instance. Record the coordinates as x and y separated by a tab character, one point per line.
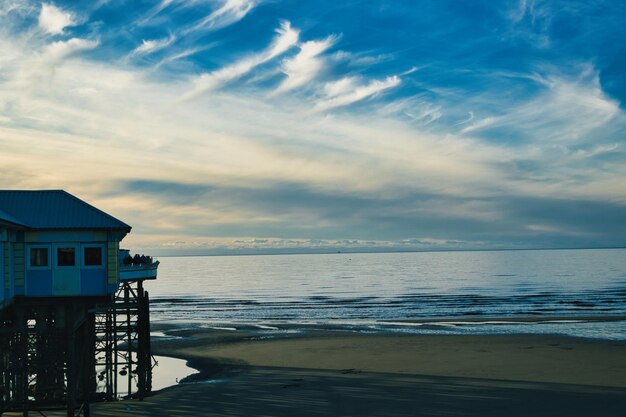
566	110
154	11
306	65
340	97
230	12
151	46
56	51
409	71
340	86
165	244
286	39
29	71
53	20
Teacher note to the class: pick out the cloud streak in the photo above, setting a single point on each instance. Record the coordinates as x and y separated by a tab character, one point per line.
339	93
230	12
152	46
567	109
287	37
306	65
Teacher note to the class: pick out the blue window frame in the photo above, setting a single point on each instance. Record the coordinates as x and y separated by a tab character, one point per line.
66	256
93	256
38	256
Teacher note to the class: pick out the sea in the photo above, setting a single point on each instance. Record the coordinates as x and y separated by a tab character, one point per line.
579	292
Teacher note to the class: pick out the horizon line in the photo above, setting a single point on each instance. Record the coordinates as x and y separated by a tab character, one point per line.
340	252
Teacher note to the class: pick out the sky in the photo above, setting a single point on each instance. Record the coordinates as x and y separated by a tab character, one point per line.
263	126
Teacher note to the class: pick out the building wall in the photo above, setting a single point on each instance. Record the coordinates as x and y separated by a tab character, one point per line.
54	279
18	268
57	280
20	276
113	265
7	276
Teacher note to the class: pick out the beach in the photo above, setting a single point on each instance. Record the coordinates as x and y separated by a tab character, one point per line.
327	372
518	333
532	358
344	373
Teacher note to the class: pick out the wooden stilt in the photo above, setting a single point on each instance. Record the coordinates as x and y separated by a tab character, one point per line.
60	352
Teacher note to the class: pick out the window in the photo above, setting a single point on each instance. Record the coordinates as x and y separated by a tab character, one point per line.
93	256
38	257
66	256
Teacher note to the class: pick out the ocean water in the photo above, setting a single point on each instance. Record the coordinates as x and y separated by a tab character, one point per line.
380	291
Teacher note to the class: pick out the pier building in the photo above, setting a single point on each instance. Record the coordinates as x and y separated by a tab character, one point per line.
74	314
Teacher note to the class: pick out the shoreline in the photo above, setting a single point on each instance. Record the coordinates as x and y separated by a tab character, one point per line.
544	358
269	323
608	328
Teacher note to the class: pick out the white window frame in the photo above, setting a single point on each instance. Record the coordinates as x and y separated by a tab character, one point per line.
93	245
38	268
77	257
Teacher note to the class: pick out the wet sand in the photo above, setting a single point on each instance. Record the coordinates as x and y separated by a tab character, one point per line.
529	358
348	374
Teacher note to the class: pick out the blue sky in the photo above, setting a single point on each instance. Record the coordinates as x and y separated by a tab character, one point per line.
236	126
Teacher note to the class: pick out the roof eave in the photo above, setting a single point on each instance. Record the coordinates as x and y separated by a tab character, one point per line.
106	229
13	225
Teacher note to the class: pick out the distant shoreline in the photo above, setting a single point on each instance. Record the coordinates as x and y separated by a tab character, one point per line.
374	251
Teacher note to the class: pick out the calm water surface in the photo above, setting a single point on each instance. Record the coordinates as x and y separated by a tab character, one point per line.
362	290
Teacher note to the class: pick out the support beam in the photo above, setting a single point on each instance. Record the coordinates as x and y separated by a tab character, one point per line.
69	352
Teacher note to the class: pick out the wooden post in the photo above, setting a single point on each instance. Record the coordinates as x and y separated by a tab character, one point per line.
21	358
148	343
129	338
71	362
141	342
88	366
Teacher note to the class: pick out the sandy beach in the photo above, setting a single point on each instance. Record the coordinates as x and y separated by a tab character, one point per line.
529	358
349	374
333	373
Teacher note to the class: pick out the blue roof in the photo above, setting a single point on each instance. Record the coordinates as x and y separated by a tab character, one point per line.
6	218
53	209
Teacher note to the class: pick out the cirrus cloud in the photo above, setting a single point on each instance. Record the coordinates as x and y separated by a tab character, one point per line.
54	20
